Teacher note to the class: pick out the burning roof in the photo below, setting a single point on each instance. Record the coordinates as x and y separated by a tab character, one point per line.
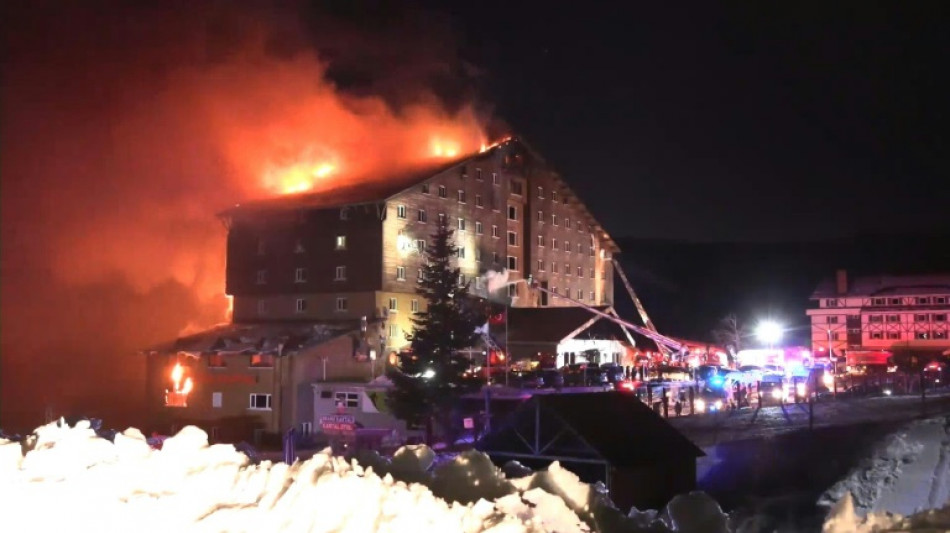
276	339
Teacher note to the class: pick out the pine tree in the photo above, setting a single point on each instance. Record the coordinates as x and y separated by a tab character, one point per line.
429	385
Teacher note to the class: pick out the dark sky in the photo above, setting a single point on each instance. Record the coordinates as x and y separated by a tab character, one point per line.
753	121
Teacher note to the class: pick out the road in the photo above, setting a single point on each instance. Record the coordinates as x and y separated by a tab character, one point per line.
714	428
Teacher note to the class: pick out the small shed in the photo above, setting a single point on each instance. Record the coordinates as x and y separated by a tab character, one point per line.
611	437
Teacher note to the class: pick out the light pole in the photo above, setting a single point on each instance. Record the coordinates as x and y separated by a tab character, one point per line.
834	362
769	332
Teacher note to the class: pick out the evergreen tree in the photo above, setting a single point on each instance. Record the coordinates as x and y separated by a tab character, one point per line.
428	386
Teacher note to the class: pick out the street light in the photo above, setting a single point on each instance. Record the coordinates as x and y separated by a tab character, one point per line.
769	332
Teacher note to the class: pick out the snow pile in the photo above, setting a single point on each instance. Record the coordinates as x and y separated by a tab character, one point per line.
844	519
908	473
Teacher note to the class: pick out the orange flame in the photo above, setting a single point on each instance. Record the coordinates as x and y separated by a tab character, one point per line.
177	373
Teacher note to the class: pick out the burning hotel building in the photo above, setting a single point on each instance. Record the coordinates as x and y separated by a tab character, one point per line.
330	280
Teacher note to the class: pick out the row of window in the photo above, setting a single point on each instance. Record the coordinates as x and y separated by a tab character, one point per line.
339	243
918	317
917	335
919	300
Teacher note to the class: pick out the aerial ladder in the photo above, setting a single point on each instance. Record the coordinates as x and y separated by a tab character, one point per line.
636	301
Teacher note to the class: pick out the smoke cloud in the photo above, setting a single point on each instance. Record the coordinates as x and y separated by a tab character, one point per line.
125	130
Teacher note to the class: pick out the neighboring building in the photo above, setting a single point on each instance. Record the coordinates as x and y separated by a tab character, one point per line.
565	335
356	251
901	314
239	381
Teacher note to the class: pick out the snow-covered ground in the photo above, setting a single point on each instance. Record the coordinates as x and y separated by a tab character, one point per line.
70	479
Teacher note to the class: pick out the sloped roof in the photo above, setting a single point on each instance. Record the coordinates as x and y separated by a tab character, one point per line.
886	285
617	427
276	338
546	324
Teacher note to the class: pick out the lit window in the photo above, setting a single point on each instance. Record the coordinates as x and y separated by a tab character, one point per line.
347	399
340	273
216	400
442	192
460	252
262	360
301	305
479	229
260	402
512	263
540	240
300	275
393	331
461	196
414	306
401	273
342	305
261	277
393	305
494	231
461	224
216	360
512	238
554	219
341	242
400	211
478	201
344	214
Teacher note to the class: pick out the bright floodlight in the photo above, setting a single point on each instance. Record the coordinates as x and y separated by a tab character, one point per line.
769	332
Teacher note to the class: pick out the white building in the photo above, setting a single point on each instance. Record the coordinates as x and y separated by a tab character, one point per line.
901	314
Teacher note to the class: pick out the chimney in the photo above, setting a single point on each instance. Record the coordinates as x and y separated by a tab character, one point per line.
841	281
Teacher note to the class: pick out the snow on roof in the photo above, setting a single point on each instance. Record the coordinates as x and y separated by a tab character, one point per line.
887	285
276	338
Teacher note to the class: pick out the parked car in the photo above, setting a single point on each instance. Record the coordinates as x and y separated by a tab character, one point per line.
584	375
551	378
526	379
615	373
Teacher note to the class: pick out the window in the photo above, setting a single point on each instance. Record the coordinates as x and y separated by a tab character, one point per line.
420	245
261	246
463	172
920	318
554	219
879	301
400	211
441	219
554	267
893	335
301	305
216	360
494	231
479	229
512	238
940	334
216	400
554	244
831	302
580	247
342	305
921	335
590	273
831	319
923	301
541	192
512	263
567	269
894	301
876	335
478	254
567	246
393	305
393	331
567	292
344	213
478	174
260	402
512	212
401	273
942	317
580	271
442	192
893	318
478	201
540	241
875	319
261	277
300	275
341	242
461	224
420	275
517	188
414	305
461	280
460	252
567	223
541	216
306	428
495	258
580	294
494	178
512	291
461	196
262	360
540	265
425	188
347	399
261	307
340	274
554	196
298	247
591	296
940	300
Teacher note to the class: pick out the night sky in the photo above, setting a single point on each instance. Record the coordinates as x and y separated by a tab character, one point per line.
753	121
